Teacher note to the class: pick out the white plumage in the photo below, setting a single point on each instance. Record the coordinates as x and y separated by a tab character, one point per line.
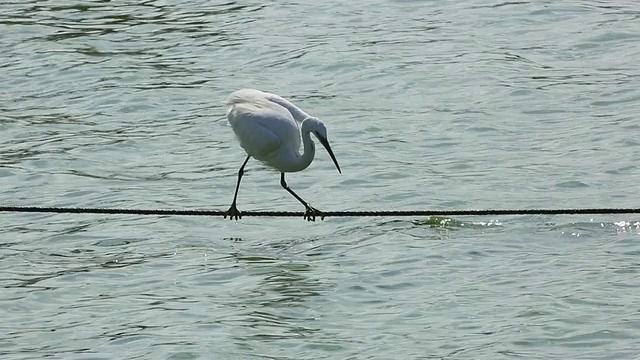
267	127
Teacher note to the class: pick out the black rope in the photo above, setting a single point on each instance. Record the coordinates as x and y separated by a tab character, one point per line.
60	210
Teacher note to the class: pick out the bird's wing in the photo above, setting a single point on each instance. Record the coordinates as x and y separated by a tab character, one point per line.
262	128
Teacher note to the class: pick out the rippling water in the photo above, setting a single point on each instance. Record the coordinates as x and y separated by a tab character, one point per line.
429	105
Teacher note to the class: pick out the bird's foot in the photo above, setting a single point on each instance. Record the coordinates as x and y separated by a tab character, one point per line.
311	213
233	212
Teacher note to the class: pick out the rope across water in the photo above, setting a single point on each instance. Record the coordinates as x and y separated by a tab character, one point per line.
391	213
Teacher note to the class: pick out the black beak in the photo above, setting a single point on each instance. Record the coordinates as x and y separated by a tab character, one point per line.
325	143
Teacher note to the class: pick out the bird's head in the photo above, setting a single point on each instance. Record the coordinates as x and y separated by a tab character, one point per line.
316	127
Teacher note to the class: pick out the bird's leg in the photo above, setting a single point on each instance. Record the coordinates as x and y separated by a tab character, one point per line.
233	210
310	213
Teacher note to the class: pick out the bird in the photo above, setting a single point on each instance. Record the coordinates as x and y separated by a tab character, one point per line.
266	126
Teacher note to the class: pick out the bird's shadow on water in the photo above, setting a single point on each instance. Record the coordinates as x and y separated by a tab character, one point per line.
281	285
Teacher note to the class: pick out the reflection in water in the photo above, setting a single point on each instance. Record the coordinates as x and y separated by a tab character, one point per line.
282	294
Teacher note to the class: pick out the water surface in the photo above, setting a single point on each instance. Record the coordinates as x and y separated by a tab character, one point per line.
429	105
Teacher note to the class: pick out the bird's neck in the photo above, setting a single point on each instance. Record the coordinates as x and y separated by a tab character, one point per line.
295	111
308	152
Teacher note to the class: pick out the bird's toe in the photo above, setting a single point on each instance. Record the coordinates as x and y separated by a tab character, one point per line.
311	213
233	213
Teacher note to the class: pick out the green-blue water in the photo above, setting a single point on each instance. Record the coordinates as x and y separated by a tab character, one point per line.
428	104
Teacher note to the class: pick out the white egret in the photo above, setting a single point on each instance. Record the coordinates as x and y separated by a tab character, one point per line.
267	127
